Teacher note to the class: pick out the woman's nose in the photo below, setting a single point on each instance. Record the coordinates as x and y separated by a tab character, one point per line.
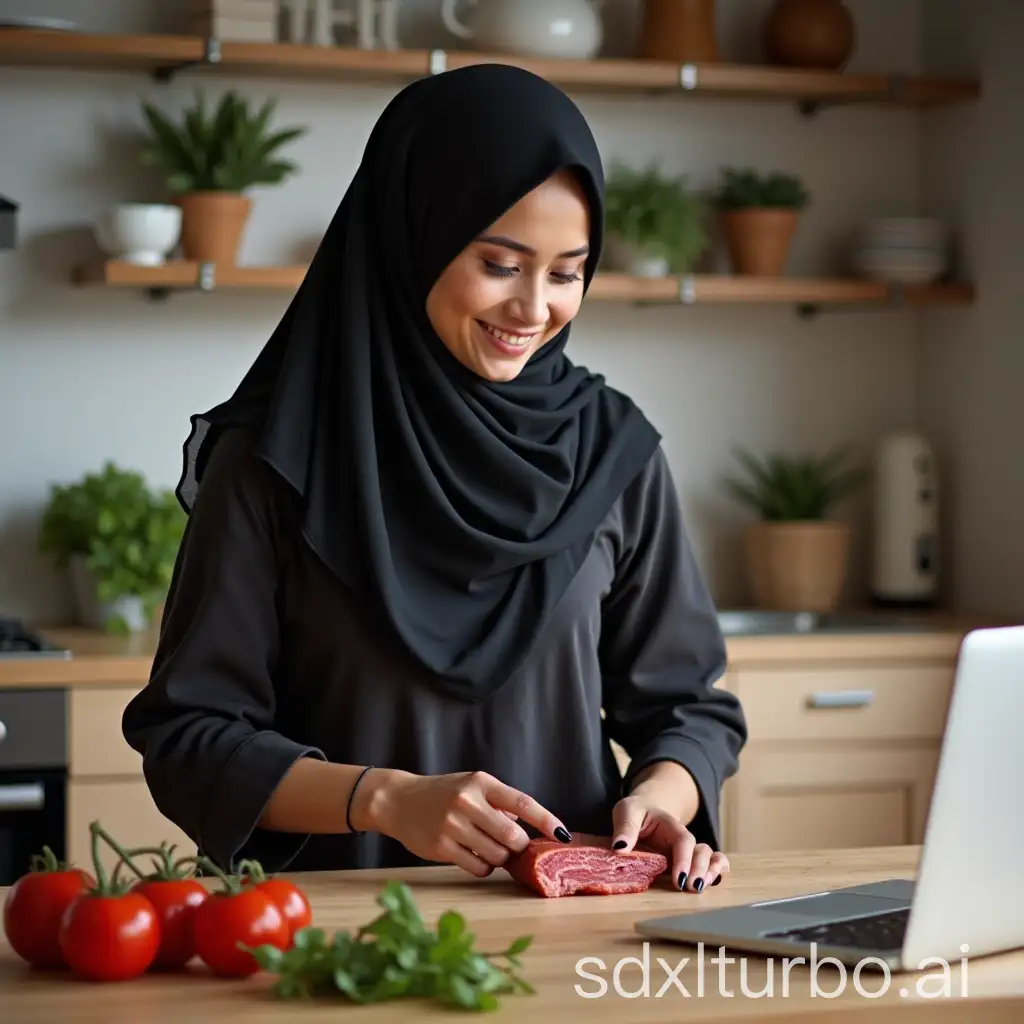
531	303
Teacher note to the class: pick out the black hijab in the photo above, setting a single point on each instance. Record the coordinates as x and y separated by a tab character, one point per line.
460	508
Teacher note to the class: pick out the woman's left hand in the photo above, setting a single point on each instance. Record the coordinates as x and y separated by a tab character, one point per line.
693	865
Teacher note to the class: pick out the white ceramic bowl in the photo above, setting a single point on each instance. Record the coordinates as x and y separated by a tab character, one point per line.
901	250
141	233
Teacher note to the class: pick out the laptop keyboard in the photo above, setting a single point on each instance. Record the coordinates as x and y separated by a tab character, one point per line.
883	931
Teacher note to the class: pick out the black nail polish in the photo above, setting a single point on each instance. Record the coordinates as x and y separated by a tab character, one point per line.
682	879
717	880
698	885
620	845
562	836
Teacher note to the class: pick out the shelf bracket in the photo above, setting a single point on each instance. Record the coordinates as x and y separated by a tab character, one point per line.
206	278
438	62
896	300
211	55
896	93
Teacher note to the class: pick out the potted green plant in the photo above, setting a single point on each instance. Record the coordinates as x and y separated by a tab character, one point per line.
655	223
119	538
796	551
209	160
759	215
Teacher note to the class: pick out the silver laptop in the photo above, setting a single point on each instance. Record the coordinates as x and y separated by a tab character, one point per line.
969	891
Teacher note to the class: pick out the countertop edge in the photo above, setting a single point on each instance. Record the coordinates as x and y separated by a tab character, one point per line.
100	661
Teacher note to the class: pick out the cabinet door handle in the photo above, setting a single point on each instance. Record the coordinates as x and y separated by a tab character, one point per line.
3	730
842	699
22	798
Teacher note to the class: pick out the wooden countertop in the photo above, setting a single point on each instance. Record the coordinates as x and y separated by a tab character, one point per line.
100	660
564	931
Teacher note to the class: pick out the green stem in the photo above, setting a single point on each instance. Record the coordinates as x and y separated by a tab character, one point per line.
194	861
103	887
45	861
232	886
100	833
254	869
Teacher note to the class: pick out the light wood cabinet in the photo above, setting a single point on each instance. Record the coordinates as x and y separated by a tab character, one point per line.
106	783
839	754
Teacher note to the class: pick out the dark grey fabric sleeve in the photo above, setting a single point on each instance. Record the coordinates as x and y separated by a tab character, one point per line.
204	724
662	652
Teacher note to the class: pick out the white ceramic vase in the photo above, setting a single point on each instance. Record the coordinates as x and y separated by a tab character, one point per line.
95	614
554	29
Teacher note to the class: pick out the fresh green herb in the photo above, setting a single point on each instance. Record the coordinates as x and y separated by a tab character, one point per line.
658	214
396	955
127	533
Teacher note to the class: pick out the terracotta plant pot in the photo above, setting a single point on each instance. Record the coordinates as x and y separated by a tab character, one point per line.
212	226
818	34
759	240
799	566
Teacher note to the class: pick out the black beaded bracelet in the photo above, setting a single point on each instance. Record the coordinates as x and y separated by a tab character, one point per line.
348	809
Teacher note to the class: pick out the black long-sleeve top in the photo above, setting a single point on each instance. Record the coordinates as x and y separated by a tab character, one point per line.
265	658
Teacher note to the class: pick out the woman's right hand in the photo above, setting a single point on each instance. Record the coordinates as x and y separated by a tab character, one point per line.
468	819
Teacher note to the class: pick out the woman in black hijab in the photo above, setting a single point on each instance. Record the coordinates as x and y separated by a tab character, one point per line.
432	566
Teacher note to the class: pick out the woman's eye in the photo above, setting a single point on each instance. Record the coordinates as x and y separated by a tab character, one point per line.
501	271
498	270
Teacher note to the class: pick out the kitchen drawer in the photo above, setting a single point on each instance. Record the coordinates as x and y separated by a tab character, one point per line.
96	745
850	702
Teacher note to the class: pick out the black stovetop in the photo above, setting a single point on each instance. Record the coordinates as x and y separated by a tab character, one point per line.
18	641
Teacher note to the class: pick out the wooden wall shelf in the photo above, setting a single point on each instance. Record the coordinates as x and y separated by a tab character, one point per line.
807	294
165	55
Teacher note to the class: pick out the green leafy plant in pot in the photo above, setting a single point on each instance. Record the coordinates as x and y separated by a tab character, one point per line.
656	223
796	552
759	214
119	538
209	160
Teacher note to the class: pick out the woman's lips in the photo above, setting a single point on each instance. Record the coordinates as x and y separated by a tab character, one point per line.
509	342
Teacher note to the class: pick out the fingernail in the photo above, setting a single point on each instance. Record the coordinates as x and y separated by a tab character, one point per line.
698	885
620	844
717	880
562	836
682	879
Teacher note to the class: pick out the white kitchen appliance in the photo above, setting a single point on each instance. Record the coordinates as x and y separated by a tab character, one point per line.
905	571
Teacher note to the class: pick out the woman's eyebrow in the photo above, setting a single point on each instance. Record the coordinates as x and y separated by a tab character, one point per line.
511	243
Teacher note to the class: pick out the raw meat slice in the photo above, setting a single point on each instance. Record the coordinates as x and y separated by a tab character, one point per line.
587	866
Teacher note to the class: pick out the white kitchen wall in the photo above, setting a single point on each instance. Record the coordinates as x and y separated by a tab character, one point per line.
91	375
973	163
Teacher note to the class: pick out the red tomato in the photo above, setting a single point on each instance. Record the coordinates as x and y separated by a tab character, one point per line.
34	907
110	937
291	901
175	901
226	919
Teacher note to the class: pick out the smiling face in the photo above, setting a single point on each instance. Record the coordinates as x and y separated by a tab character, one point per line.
511	291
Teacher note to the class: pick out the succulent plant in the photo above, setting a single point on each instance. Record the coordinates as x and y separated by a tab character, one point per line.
781	488
228	150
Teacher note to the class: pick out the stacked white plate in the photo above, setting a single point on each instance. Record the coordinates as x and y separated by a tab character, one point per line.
902	250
